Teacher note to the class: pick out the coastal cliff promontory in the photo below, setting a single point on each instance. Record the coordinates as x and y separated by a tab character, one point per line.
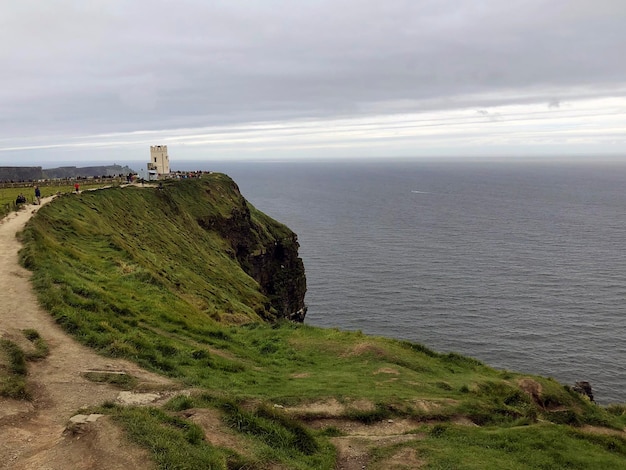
266	250
199	239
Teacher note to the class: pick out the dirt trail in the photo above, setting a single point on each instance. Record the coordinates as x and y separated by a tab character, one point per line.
32	432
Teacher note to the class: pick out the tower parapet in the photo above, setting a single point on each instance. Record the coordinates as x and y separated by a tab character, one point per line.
159	164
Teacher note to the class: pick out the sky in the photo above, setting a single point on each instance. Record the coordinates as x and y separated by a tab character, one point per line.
102	80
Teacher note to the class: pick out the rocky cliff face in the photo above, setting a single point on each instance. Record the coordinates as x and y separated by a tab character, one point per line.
86	171
267	251
280	273
20	173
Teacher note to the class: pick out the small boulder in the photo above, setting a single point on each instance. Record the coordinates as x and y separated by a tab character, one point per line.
84	419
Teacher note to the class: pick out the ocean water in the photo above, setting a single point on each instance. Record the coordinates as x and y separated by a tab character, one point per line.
519	264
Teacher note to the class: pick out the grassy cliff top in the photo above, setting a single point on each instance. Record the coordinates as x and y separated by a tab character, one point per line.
151	275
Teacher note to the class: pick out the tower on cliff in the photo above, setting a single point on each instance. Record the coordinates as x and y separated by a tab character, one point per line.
159	162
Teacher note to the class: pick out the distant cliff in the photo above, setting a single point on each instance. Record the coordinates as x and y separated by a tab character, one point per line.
33	173
20	173
86	171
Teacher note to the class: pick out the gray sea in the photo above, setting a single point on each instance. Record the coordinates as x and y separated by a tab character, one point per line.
519	264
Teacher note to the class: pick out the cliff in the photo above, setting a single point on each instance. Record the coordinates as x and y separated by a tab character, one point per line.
33	173
87	171
265	249
270	256
198	239
20	173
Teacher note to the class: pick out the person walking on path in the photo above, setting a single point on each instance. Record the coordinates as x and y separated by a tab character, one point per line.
76	187
38	195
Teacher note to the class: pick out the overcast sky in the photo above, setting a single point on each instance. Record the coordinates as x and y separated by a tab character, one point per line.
101	80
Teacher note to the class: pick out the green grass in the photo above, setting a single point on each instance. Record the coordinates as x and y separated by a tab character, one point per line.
9	195
14	367
154	276
540	446
40	345
12	371
119	380
271	438
174	442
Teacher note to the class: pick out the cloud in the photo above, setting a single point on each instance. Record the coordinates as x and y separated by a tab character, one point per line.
584	125
490	116
92	68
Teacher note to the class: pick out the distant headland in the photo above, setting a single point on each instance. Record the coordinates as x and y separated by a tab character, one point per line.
34	173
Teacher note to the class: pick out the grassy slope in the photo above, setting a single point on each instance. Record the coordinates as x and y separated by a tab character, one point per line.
8	195
130	273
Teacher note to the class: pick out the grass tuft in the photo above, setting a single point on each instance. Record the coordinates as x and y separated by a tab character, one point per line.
120	380
12	371
41	346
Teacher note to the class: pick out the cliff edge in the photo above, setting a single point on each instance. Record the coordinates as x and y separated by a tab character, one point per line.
197	239
265	249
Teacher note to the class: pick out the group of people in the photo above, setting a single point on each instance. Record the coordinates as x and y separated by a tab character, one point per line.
21	199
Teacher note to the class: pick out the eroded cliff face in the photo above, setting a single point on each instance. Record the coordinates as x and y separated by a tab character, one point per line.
267	251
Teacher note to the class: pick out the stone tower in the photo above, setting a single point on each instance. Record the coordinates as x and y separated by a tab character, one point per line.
159	161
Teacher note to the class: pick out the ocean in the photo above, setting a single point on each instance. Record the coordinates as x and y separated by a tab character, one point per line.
519	264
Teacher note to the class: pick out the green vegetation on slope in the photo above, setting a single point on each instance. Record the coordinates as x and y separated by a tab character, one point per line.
265	436
156	276
9	195
13	364
12	370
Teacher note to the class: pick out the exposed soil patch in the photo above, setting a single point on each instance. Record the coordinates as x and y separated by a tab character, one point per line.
98	445
387	370
390	427
215	431
366	348
532	388
330	408
405	458
604	431
354	452
359	439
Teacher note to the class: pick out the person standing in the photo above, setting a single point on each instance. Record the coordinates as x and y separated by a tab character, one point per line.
38	195
76	187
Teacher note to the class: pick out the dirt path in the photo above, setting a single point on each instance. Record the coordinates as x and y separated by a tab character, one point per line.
32	432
